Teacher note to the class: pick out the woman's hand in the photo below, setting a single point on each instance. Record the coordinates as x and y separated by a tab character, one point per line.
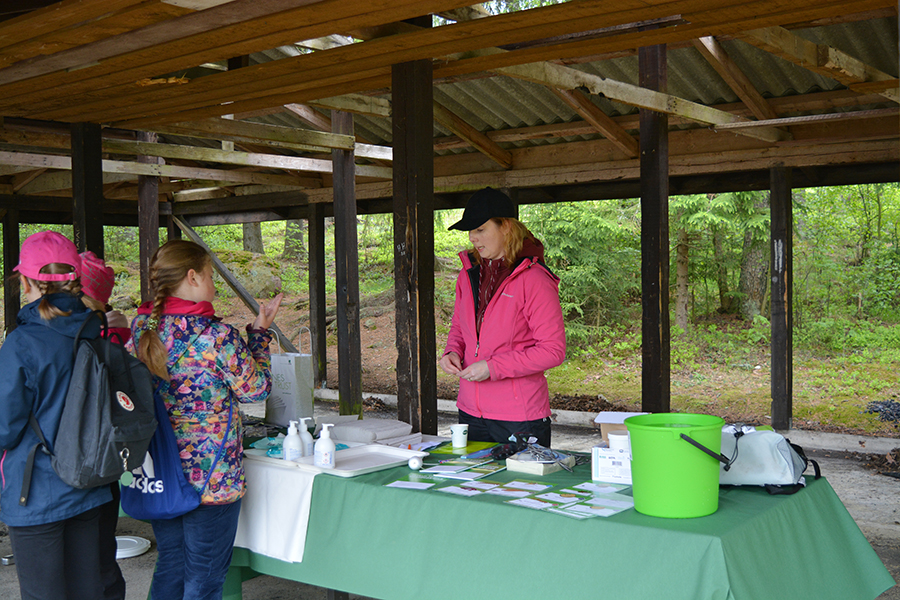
267	312
450	363
476	372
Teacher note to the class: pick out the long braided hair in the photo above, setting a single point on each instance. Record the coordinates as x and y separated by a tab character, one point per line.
168	268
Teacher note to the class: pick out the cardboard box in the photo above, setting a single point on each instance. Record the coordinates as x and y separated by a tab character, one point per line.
613	421
610	466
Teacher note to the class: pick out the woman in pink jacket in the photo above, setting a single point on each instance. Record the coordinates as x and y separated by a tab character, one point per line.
507	325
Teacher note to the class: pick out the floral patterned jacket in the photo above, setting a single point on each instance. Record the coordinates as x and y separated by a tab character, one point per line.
210	367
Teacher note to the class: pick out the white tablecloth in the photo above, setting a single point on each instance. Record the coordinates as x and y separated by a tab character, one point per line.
275	509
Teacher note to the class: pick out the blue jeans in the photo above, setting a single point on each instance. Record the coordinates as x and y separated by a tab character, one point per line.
194	552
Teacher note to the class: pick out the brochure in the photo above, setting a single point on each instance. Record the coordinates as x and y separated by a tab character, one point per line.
455	465
475	472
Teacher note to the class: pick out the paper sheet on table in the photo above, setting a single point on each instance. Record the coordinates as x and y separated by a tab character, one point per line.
275	510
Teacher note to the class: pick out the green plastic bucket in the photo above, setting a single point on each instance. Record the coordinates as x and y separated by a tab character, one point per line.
670	477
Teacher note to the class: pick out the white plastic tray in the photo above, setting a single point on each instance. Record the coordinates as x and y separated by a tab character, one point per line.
363	459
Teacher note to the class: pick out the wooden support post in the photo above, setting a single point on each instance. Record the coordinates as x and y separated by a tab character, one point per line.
87	187
781	262
346	258
654	144
12	292
148	217
316	232
414	244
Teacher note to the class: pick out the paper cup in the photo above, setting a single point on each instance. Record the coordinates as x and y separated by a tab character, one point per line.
618	440
459	435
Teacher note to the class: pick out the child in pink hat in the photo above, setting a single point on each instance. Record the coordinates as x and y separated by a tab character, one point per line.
97	281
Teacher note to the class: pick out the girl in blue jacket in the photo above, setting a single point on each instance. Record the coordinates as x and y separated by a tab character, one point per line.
55	530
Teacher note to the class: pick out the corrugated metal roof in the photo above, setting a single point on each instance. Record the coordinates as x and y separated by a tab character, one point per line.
500	102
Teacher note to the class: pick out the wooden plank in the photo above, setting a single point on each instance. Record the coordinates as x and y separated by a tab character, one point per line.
62	15
12	292
273	161
39	48
460	127
569	79
346	261
603	123
225	129
169	30
655	347
87	187
231	280
248	36
413	210
710	48
317	306
781	270
133	168
818	58
806	119
148	219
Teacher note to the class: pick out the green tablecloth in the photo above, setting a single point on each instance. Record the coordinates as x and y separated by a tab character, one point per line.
390	543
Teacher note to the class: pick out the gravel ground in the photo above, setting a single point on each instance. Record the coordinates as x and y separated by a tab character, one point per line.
871	499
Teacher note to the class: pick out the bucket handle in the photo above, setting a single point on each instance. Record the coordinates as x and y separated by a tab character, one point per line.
719	457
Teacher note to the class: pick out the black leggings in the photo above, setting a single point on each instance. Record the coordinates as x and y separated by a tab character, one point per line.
492	430
59	560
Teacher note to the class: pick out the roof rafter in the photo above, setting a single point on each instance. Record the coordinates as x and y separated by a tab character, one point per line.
480	141
821	59
710	48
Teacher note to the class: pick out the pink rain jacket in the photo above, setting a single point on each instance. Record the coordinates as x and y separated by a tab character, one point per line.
522	336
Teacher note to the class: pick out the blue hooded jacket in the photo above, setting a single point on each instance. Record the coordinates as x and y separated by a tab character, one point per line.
35	368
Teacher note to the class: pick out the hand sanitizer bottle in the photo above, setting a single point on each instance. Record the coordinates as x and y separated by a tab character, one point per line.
306	440
291	447
324	452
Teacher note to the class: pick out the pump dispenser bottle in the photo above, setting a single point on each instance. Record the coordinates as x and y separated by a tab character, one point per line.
306	440
291	447
324	452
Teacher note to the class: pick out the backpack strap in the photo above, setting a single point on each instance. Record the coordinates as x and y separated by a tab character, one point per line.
29	463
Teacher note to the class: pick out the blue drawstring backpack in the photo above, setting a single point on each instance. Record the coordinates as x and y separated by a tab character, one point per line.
160	489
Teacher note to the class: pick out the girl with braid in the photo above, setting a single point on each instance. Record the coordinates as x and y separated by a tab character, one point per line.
202	369
54	528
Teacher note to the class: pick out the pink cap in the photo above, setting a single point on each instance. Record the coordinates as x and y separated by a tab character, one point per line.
44	248
97	280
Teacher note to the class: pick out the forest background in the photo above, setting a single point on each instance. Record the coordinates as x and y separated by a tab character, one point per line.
846	293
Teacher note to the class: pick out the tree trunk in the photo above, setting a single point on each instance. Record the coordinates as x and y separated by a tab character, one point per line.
293	238
726	300
253	238
754	281
681	280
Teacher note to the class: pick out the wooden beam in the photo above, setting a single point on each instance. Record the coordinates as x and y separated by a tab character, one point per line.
133	168
310	116
272	161
413	220
346	273
806	119
710	48
781	270
148	219
655	347
569	79
224	129
479	141
12	293
231	280
819	58
603	123
87	187
317	307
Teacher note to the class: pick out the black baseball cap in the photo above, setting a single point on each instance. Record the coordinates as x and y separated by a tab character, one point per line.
484	205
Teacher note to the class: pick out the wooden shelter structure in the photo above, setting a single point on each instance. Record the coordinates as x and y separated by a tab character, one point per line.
179	113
